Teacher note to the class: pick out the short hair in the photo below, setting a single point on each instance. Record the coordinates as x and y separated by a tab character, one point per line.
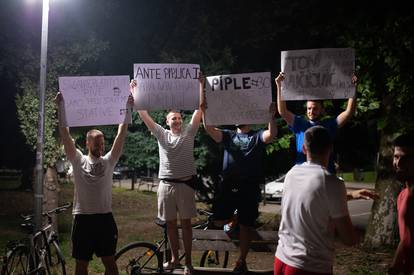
93	134
317	140
319	101
173	111
404	140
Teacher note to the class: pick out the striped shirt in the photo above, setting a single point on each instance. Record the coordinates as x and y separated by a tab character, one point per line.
176	152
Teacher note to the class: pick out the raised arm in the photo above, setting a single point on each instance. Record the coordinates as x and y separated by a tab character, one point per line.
119	141
212	131
271	132
65	137
198	114
287	115
149	122
349	112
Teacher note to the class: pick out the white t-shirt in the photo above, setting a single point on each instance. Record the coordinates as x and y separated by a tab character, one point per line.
176	152
93	183
311	198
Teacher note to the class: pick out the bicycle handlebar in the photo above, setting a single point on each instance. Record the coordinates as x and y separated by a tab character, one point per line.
56	210
204	212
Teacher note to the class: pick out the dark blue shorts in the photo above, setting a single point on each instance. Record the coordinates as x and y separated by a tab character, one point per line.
243	195
94	234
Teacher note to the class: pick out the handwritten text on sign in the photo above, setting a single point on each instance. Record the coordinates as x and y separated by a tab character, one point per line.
95	100
318	74
166	86
238	99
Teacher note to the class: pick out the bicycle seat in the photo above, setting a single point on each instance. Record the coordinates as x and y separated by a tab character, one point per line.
160	222
27	226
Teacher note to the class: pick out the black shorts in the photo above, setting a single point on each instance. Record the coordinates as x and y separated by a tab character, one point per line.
243	195
94	233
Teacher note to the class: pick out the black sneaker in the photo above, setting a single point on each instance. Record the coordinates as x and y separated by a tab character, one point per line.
240	268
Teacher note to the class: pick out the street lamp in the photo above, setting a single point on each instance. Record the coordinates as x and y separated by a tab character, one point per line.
38	188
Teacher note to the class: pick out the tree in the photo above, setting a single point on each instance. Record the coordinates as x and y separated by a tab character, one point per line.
70	55
385	57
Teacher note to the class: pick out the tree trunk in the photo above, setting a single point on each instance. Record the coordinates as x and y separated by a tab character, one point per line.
382	229
51	193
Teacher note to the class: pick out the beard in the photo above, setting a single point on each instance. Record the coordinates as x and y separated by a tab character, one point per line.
96	153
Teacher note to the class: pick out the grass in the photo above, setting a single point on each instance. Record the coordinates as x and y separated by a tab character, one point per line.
10	179
367	176
135	211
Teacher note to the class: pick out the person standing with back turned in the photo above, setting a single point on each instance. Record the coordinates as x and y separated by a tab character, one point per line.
314	205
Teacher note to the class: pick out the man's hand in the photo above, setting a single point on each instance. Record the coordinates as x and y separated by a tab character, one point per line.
132	85
58	99
354	79
362	194
280	78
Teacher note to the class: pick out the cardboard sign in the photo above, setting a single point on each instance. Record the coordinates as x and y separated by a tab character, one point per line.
318	74
166	86
238	99
95	100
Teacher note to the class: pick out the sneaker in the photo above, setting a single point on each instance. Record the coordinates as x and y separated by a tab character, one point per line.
228	227
170	265
188	270
232	229
240	268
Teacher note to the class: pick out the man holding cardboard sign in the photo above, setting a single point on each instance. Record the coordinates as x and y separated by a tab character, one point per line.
177	174
314	113
242	176
94	228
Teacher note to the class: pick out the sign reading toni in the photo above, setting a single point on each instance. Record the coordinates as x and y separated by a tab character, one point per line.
238	99
318	74
95	100
166	86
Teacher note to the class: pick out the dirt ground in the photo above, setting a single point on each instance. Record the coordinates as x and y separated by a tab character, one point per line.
134	212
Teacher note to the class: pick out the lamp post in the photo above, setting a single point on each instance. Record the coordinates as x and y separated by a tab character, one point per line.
38	188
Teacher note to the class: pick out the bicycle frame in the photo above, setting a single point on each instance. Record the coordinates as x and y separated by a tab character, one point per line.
33	254
138	261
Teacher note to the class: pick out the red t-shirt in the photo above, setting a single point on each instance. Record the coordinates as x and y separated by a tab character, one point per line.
405	206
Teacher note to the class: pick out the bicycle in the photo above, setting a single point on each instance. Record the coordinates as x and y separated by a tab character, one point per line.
39	252
147	258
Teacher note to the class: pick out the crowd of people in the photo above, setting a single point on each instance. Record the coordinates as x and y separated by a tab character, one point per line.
314	206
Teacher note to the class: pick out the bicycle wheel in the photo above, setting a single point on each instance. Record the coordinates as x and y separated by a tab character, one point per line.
214	258
17	261
139	258
55	263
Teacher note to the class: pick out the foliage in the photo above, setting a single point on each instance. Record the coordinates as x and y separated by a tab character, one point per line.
385	57
28	108
63	60
141	148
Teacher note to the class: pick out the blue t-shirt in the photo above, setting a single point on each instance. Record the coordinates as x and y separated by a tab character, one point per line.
300	125
243	155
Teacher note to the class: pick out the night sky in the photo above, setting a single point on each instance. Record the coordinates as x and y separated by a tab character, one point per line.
137	31
145	31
